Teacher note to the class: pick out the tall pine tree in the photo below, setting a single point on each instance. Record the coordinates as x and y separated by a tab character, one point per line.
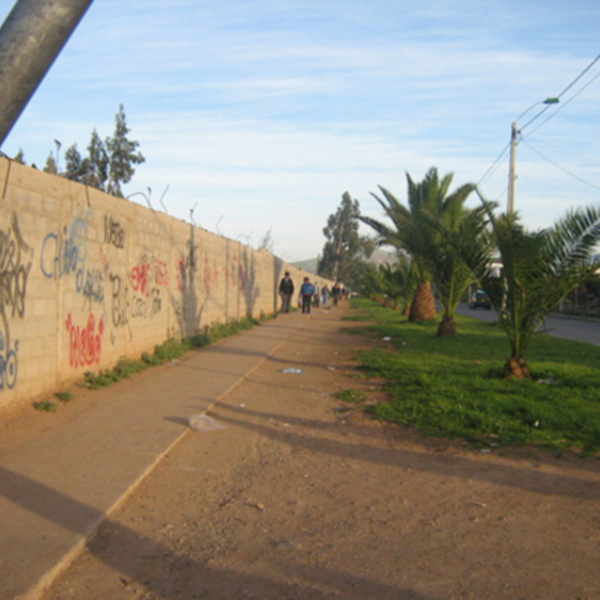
122	154
73	164
344	245
95	167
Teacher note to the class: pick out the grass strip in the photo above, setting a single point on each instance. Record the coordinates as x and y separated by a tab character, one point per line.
452	386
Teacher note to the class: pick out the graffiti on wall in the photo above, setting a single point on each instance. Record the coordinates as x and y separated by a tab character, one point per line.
90	283
211	275
65	253
15	266
114	234
140	297
85	342
149	271
120	300
8	364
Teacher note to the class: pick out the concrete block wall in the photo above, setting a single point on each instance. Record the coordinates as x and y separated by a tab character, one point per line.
87	278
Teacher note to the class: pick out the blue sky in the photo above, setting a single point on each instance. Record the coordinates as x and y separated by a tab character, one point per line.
261	114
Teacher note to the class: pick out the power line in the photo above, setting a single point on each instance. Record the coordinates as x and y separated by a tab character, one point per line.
580	158
563	93
561	168
494	165
564	105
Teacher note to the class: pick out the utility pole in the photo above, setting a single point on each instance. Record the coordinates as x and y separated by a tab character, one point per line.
511	169
31	38
514	134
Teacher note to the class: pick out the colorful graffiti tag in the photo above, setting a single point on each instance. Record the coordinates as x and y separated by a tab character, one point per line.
149	271
85	343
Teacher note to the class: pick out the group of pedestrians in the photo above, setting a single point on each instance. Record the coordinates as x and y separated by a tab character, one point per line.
310	294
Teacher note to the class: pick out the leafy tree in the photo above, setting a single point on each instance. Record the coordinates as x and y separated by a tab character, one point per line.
122	155
74	168
344	247
538	270
95	166
50	166
20	157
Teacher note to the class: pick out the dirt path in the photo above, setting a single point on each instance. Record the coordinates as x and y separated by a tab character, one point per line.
297	499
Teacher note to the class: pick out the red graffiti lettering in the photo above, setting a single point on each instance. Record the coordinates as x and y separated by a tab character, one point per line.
148	273
85	343
140	278
161	273
207	276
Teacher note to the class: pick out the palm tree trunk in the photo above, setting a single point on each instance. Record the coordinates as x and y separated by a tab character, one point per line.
423	304
446	327
516	367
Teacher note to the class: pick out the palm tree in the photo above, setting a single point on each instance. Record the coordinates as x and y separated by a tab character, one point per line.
398	282
418	230
452	276
371	284
538	270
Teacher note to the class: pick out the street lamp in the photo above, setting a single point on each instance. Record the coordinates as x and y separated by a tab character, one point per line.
514	132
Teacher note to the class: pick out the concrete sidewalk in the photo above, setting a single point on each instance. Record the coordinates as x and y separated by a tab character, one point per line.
57	488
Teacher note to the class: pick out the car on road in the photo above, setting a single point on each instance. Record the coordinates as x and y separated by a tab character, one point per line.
480	299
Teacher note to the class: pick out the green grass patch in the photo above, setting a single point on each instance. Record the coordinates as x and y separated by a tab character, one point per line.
218	331
64	396
352	396
171	349
45	406
451	386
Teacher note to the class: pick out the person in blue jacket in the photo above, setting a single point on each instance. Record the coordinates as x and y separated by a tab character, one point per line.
306	293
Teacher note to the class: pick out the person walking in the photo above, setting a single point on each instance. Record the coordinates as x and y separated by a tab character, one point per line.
306	293
335	292
286	291
317	296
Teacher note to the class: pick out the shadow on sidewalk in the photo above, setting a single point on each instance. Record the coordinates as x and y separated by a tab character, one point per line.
450	466
184	578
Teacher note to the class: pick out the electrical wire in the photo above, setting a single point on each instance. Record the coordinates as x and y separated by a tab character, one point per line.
494	165
564	105
563	93
561	168
580	158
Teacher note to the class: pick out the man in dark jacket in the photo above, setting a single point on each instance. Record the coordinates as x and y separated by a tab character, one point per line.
286	291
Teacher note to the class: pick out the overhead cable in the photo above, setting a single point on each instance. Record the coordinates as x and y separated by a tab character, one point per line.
561	168
494	165
547	106
564	105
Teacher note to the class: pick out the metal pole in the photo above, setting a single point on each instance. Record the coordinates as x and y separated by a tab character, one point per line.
511	172
31	38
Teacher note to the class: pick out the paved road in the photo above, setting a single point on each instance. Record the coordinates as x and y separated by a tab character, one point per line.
578	330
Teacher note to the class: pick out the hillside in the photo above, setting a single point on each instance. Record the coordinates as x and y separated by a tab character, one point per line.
377	258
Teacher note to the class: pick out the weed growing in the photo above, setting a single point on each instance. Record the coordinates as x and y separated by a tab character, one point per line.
171	349
46	406
219	331
451	386
352	396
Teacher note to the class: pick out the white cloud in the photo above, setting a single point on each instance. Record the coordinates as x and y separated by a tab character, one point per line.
265	112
